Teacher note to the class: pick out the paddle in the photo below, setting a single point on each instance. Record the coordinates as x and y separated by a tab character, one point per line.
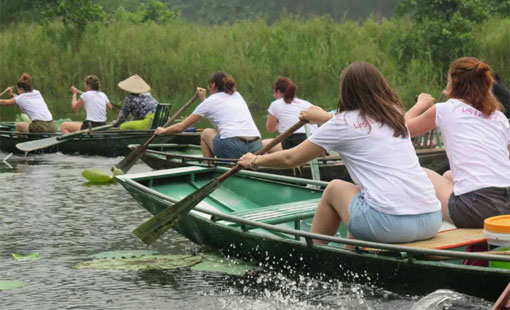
152	229
6	90
43	143
128	161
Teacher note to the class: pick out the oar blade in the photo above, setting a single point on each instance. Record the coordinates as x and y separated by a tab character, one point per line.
127	162
154	228
37	144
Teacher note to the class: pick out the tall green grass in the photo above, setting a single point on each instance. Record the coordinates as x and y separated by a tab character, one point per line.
176	58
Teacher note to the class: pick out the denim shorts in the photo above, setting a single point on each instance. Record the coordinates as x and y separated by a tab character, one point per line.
234	147
369	224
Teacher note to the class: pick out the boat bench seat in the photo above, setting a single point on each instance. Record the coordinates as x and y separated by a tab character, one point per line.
283	213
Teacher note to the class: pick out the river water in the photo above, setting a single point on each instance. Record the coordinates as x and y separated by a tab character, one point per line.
46	208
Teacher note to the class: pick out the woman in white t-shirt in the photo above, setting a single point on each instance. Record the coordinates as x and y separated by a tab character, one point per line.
31	102
391	200
477	140
94	102
226	109
284	112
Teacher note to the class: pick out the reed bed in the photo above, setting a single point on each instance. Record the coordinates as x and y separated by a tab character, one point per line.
175	58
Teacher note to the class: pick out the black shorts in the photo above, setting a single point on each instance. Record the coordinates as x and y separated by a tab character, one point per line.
293	140
85	124
469	210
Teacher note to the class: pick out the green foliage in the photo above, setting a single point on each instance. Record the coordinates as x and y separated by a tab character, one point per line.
75	14
151	11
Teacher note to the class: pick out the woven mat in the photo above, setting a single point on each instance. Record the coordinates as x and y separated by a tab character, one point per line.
448	239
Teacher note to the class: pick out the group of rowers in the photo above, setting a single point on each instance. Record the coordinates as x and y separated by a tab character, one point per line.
392	199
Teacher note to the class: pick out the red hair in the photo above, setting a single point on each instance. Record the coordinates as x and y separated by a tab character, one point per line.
471	81
287	87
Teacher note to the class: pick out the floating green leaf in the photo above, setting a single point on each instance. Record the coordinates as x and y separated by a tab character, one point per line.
141	263
123	254
30	256
11	284
215	263
96	176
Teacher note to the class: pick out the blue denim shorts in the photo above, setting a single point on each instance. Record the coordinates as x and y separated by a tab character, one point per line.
369	224
234	147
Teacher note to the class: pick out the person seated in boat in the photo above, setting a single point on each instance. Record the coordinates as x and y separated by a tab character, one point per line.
477	140
284	112
139	103
501	93
391	200
95	103
226	109
31	102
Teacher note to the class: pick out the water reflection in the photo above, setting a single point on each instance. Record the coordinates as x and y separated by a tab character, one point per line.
46	208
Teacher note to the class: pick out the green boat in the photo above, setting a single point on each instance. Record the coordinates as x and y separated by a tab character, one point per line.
167	156
110	143
267	218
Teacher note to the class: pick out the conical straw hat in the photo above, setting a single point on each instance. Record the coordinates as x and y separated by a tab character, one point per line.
134	85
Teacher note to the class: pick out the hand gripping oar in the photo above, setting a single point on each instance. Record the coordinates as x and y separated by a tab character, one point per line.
128	161
43	143
152	229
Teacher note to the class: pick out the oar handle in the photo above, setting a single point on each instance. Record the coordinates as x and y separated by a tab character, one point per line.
172	119
264	149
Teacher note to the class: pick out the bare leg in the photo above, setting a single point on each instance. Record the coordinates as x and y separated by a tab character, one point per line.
443	186
68	127
275	148
333	208
448	174
22	127
206	141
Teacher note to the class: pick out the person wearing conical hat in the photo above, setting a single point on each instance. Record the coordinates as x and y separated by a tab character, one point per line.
139	103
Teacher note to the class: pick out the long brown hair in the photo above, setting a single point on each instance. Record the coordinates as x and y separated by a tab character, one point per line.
364	88
471	81
93	82
25	82
223	82
286	87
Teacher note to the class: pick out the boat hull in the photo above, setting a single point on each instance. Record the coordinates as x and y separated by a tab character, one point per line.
109	143
401	274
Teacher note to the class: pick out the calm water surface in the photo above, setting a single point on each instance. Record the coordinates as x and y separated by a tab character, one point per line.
45	207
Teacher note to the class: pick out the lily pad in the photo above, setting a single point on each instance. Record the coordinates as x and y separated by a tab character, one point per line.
96	176
11	284
215	263
31	256
141	263
123	254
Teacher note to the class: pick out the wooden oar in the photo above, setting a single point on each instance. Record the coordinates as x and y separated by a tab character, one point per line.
5	91
124	165
43	143
503	301
152	229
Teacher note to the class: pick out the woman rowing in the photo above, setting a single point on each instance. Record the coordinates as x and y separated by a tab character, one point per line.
226	109
284	112
392	199
94	102
139	103
31	102
477	140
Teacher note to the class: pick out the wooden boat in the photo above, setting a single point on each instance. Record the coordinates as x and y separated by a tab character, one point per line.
267	217
167	156
110	143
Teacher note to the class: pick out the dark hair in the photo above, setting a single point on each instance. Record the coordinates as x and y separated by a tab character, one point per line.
287	87
364	88
223	82
93	82
25	82
471	81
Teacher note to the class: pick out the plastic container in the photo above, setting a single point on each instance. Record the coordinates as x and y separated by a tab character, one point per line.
497	230
496	264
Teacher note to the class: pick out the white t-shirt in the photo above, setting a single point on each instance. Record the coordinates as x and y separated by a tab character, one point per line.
229	114
386	167
287	114
94	103
33	104
476	145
